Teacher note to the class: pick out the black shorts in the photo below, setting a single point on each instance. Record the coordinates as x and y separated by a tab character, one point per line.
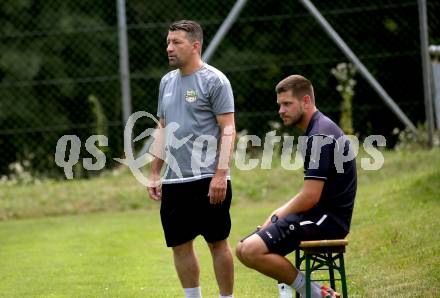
186	212
284	236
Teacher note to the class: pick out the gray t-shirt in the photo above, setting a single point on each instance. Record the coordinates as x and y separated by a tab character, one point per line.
189	105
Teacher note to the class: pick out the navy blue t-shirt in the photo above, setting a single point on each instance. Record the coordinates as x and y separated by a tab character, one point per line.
327	157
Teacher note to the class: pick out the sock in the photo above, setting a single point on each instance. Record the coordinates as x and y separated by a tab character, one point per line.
299	284
193	292
229	296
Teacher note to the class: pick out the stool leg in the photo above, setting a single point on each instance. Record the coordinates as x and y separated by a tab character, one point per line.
308	277
298	266
297	259
343	278
331	271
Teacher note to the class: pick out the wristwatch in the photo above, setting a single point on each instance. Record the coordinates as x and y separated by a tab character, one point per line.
274	218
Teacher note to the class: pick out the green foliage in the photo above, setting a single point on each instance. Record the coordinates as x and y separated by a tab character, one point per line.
344	73
409	140
19	173
101	119
44	52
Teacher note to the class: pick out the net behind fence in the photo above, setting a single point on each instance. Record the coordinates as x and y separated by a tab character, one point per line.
59	66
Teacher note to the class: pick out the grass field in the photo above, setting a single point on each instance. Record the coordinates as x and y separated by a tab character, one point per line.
109	241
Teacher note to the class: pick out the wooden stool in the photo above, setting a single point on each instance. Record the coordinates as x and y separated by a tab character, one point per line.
322	255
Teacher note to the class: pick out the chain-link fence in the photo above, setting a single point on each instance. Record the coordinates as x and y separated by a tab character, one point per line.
59	65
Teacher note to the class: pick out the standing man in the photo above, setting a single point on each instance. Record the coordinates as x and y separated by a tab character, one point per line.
196	100
324	206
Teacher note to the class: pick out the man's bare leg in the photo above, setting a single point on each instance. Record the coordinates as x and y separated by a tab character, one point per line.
223	266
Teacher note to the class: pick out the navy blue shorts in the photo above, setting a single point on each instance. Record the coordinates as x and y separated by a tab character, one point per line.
284	236
186	212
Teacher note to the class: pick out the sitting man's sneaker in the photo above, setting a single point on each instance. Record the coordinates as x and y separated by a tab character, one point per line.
285	291
322	292
327	292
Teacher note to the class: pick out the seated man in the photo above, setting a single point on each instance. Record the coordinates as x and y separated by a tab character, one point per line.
324	206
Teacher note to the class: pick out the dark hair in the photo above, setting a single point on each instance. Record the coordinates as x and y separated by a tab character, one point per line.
299	86
192	28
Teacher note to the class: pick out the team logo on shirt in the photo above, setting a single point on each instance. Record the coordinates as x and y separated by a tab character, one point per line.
191	96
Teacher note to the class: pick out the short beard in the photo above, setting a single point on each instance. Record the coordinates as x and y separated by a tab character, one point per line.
298	120
176	64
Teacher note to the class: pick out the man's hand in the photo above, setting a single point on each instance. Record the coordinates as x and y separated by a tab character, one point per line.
154	188
157	150
217	189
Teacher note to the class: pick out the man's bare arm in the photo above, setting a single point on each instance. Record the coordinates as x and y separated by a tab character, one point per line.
305	200
154	189
217	188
